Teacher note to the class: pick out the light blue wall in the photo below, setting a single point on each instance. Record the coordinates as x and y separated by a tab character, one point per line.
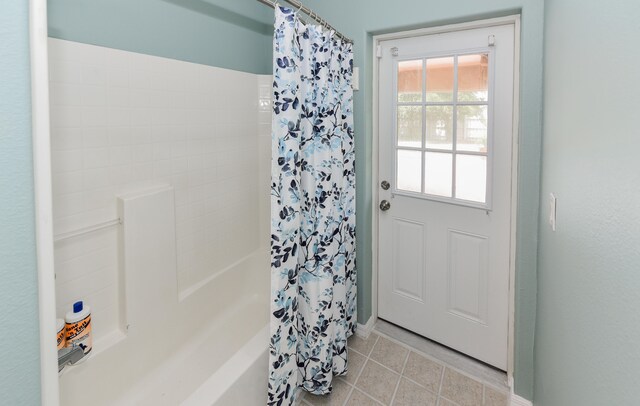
225	33
361	18
587	348
19	340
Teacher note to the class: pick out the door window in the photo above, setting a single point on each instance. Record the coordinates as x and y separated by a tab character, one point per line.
443	133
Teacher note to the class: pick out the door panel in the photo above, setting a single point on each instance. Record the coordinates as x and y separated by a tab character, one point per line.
468	265
408	259
445	122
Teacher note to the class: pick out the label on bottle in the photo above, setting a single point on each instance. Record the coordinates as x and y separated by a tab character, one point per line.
62	339
79	334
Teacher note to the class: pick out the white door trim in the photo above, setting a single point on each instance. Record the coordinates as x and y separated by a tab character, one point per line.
515	20
43	201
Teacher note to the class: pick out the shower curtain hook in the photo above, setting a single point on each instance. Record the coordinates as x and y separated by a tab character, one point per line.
323	23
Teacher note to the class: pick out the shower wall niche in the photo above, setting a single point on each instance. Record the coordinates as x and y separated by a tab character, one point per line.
122	122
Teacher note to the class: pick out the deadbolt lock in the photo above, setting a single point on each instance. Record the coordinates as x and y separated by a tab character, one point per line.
385	185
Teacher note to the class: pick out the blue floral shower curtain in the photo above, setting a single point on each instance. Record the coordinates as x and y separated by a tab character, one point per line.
313	280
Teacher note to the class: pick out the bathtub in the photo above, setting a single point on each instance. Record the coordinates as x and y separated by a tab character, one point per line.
222	360
242	380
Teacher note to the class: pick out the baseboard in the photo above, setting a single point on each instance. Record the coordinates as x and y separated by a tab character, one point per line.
363	330
519	401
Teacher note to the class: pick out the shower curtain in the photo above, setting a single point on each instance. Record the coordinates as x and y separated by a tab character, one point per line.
313	279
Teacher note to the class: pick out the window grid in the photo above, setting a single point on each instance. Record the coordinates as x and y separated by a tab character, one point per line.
453	151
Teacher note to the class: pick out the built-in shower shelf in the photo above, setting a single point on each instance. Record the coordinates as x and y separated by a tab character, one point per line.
108	341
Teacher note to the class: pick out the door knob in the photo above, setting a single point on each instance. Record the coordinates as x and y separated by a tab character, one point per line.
385	205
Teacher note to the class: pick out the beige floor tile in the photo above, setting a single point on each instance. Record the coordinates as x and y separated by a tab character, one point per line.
358	398
461	389
410	394
377	381
494	397
389	354
338	395
356	362
424	371
363	346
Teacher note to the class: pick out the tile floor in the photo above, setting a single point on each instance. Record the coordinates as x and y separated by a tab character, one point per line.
396	371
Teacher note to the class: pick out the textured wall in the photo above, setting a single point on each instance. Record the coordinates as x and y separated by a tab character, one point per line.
19	342
201	31
588	323
361	18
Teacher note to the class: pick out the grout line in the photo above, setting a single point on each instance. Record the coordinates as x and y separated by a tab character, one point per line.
440	386
358	352
418	383
367	359
383	366
357	375
370	350
369	396
360	372
404	365
450	401
346	399
373	346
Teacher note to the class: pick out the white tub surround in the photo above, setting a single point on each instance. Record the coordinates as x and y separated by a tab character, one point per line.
167	155
121	121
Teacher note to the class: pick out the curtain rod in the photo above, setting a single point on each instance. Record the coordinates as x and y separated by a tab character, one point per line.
301	7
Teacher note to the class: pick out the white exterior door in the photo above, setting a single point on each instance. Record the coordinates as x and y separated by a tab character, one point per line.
445	177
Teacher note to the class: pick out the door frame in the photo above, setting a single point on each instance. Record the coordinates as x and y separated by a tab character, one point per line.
375	153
